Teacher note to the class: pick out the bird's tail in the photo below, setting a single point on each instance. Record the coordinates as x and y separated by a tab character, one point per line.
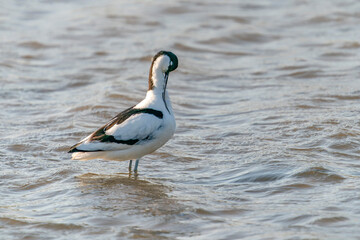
83	156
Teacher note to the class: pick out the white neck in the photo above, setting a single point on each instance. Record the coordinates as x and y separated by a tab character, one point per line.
154	99
157	79
157	73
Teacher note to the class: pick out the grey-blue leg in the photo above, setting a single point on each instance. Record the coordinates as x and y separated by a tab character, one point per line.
130	165
136	165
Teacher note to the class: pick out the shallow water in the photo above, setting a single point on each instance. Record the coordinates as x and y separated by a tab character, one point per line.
266	100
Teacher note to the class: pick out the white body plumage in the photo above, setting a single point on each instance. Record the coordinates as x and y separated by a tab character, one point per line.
139	130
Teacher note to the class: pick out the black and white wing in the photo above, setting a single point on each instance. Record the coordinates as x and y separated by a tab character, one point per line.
130	127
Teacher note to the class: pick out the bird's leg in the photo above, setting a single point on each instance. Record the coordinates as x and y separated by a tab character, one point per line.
136	165
130	165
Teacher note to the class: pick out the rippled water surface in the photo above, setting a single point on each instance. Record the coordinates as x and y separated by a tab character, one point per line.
266	98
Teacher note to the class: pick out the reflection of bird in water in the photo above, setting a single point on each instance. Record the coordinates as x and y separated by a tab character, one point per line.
125	192
139	130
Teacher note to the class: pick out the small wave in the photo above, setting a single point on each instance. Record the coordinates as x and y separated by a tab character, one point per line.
257	174
25	147
176	10
329	221
292	67
345	97
319	174
291	187
35	45
224	212
53	226
193	49
12	222
45	181
299	219
350	45
251	37
335	56
340	146
323	19
304	74
100	53
236	19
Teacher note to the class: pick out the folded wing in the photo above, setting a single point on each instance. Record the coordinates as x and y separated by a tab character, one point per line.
131	127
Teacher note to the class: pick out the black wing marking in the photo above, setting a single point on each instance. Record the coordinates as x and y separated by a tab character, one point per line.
101	136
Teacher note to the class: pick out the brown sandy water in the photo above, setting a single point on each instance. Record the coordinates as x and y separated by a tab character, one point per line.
267	104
